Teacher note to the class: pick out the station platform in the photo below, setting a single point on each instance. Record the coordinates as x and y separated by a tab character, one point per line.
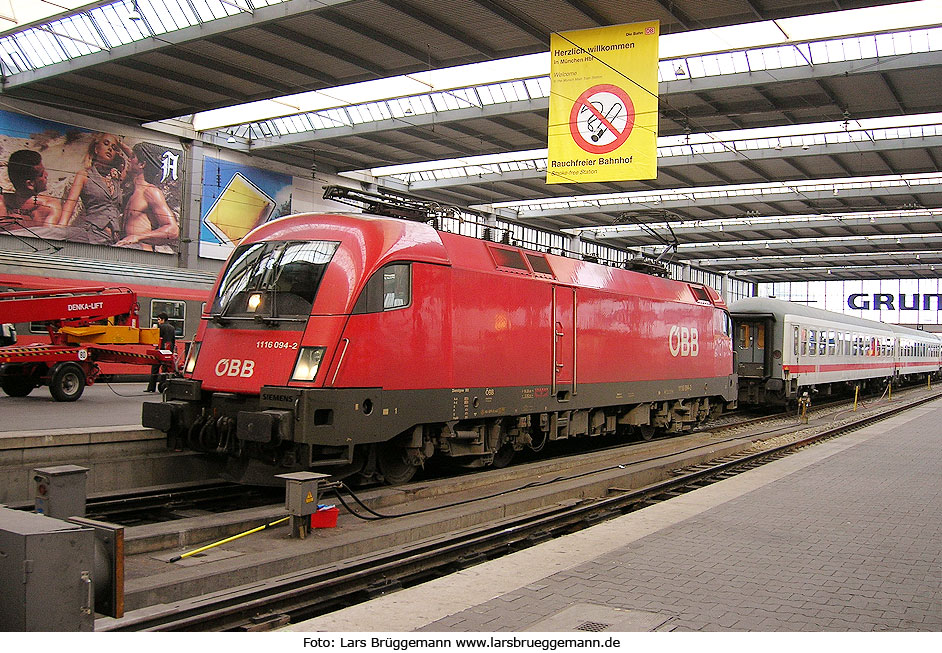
101	431
842	536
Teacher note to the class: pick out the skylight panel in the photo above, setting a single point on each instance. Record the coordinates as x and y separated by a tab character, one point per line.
484	93
111	25
170	19
357	116
535	87
41	44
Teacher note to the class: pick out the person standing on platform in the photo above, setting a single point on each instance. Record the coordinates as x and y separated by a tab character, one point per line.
168	340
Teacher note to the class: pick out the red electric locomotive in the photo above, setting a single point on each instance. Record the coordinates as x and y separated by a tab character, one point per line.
365	344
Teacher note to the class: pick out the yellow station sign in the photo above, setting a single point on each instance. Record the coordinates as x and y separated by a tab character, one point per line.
603	104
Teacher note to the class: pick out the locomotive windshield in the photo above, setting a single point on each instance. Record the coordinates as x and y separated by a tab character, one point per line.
273	279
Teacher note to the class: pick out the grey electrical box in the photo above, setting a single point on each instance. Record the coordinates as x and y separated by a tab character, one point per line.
60	491
46	574
301	492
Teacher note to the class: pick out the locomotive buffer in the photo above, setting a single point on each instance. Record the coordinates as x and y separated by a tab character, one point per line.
86	326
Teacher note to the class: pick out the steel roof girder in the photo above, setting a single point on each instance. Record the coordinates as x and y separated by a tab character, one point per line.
710	228
173	38
762	198
801	73
416	120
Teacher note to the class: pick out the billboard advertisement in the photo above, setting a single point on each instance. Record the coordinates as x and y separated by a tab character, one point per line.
236	199
70	184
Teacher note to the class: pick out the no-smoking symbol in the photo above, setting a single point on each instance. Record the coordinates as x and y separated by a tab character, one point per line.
601	119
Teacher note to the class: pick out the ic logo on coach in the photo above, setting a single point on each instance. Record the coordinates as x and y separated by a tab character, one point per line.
235	367
684	341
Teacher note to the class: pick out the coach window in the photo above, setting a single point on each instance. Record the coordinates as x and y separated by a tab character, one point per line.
175	310
389	288
760	336
795	339
812	342
804	342
831	343
745	337
822	342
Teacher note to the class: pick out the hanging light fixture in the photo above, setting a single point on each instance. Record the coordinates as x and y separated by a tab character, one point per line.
135	14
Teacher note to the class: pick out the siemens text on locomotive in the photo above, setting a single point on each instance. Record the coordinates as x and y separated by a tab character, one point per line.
786	349
364	344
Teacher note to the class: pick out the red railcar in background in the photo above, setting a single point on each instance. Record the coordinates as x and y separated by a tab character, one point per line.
365	344
182	300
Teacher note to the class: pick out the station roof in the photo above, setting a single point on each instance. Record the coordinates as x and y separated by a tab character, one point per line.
859	197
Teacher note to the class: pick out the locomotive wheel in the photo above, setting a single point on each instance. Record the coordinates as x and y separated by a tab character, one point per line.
647	432
17	386
67	383
503	457
392	465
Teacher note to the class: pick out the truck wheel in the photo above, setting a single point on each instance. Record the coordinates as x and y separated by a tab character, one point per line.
18	385
67	382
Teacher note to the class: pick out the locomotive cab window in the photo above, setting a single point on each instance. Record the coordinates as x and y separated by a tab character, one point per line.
273	279
175	310
389	288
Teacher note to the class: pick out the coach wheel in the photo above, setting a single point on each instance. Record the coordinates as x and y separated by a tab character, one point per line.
392	464
647	432
18	385
67	383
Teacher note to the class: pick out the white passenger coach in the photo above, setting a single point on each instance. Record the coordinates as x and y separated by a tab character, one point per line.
784	349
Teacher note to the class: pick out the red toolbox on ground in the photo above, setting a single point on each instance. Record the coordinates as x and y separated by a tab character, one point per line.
325	517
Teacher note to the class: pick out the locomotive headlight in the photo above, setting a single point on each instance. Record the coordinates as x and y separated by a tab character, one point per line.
191	357
255	300
309	360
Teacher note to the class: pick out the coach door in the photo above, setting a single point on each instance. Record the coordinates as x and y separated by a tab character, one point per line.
750	345
564	342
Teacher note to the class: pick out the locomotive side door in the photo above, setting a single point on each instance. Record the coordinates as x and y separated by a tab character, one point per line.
564	342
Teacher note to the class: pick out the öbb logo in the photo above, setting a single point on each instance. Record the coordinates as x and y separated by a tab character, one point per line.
235	367
684	341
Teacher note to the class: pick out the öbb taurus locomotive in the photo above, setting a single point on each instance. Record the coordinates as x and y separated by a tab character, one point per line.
786	349
364	344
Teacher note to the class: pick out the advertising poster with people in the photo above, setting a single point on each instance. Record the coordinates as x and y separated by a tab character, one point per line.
236	199
61	182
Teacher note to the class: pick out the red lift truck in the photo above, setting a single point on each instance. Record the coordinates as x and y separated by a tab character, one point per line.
86	326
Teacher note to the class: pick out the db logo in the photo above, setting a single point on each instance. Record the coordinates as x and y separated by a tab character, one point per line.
684	341
235	367
649	30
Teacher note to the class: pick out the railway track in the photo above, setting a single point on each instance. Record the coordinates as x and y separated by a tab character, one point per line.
294	597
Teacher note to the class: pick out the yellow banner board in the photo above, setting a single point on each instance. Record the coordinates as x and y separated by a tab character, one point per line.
603	104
